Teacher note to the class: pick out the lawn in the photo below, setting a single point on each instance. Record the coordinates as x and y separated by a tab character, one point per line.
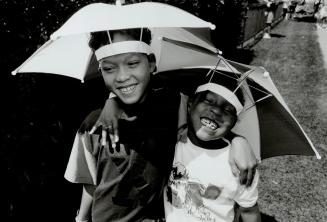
294	188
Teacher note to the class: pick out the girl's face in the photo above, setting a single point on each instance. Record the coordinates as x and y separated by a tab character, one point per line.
127	75
211	116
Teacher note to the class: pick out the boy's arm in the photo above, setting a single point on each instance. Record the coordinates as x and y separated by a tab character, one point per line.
108	121
86	204
250	214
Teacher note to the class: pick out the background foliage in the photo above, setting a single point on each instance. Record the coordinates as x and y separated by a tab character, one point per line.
41	113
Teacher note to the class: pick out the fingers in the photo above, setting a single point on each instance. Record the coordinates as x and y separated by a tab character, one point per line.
104	137
95	127
115	129
234	168
243	177
249	177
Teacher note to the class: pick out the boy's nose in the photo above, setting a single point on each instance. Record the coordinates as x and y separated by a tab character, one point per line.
123	74
216	110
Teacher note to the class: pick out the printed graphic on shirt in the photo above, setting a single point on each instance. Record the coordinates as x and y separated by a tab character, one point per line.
189	194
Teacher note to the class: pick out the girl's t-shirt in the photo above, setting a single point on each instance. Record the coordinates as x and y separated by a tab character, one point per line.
129	184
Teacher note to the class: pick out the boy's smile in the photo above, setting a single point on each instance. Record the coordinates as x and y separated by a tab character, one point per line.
211	116
211	124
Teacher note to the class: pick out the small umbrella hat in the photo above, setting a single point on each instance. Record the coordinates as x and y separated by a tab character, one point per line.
266	121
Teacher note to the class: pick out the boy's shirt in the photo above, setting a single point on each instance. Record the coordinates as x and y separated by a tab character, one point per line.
202	186
129	186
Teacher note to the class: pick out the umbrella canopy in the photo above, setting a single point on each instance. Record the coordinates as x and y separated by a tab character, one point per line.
267	122
67	52
100	16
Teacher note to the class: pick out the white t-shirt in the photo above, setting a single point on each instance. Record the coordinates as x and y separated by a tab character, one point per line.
202	186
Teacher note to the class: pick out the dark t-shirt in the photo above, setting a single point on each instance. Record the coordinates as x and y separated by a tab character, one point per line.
129	186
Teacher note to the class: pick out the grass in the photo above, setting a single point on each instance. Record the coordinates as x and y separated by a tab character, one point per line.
294	188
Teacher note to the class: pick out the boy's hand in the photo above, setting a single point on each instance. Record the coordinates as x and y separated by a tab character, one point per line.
108	122
242	160
107	127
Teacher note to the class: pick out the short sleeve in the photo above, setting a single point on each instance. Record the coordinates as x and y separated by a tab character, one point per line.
81	167
248	196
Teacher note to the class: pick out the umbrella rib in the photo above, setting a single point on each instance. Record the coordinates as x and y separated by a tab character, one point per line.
253	87
230	66
254	103
32	56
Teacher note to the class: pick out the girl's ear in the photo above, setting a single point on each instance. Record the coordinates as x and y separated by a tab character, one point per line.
189	104
152	61
100	70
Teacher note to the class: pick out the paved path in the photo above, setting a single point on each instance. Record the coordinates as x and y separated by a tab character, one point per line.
322	38
293	188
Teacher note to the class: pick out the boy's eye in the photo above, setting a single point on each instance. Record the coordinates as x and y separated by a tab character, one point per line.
229	109
208	101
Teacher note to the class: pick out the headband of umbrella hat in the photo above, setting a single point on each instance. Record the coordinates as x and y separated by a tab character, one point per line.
115	48
224	92
232	87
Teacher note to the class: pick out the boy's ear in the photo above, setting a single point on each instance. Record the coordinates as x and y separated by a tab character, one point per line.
152	61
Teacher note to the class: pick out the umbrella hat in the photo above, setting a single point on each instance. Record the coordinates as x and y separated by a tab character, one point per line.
67	52
266	121
100	16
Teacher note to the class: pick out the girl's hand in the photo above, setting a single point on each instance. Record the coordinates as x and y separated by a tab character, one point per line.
242	160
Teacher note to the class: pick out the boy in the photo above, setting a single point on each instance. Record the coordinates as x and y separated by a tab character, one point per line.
201	186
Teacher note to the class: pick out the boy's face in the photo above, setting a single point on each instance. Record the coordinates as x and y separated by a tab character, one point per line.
127	75
212	116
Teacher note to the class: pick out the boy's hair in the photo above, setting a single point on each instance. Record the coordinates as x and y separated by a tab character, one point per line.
99	39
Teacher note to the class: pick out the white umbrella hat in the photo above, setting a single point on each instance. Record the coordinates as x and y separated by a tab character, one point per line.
100	16
67	52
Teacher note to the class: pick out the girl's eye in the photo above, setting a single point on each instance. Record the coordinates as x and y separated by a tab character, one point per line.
133	63
108	69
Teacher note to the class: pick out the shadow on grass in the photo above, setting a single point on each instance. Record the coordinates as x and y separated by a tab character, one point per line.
267	218
307	19
276	35
264	218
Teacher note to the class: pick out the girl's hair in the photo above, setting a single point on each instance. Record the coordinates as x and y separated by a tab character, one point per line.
99	39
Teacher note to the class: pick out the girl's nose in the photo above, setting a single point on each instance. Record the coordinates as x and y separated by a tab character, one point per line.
123	74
